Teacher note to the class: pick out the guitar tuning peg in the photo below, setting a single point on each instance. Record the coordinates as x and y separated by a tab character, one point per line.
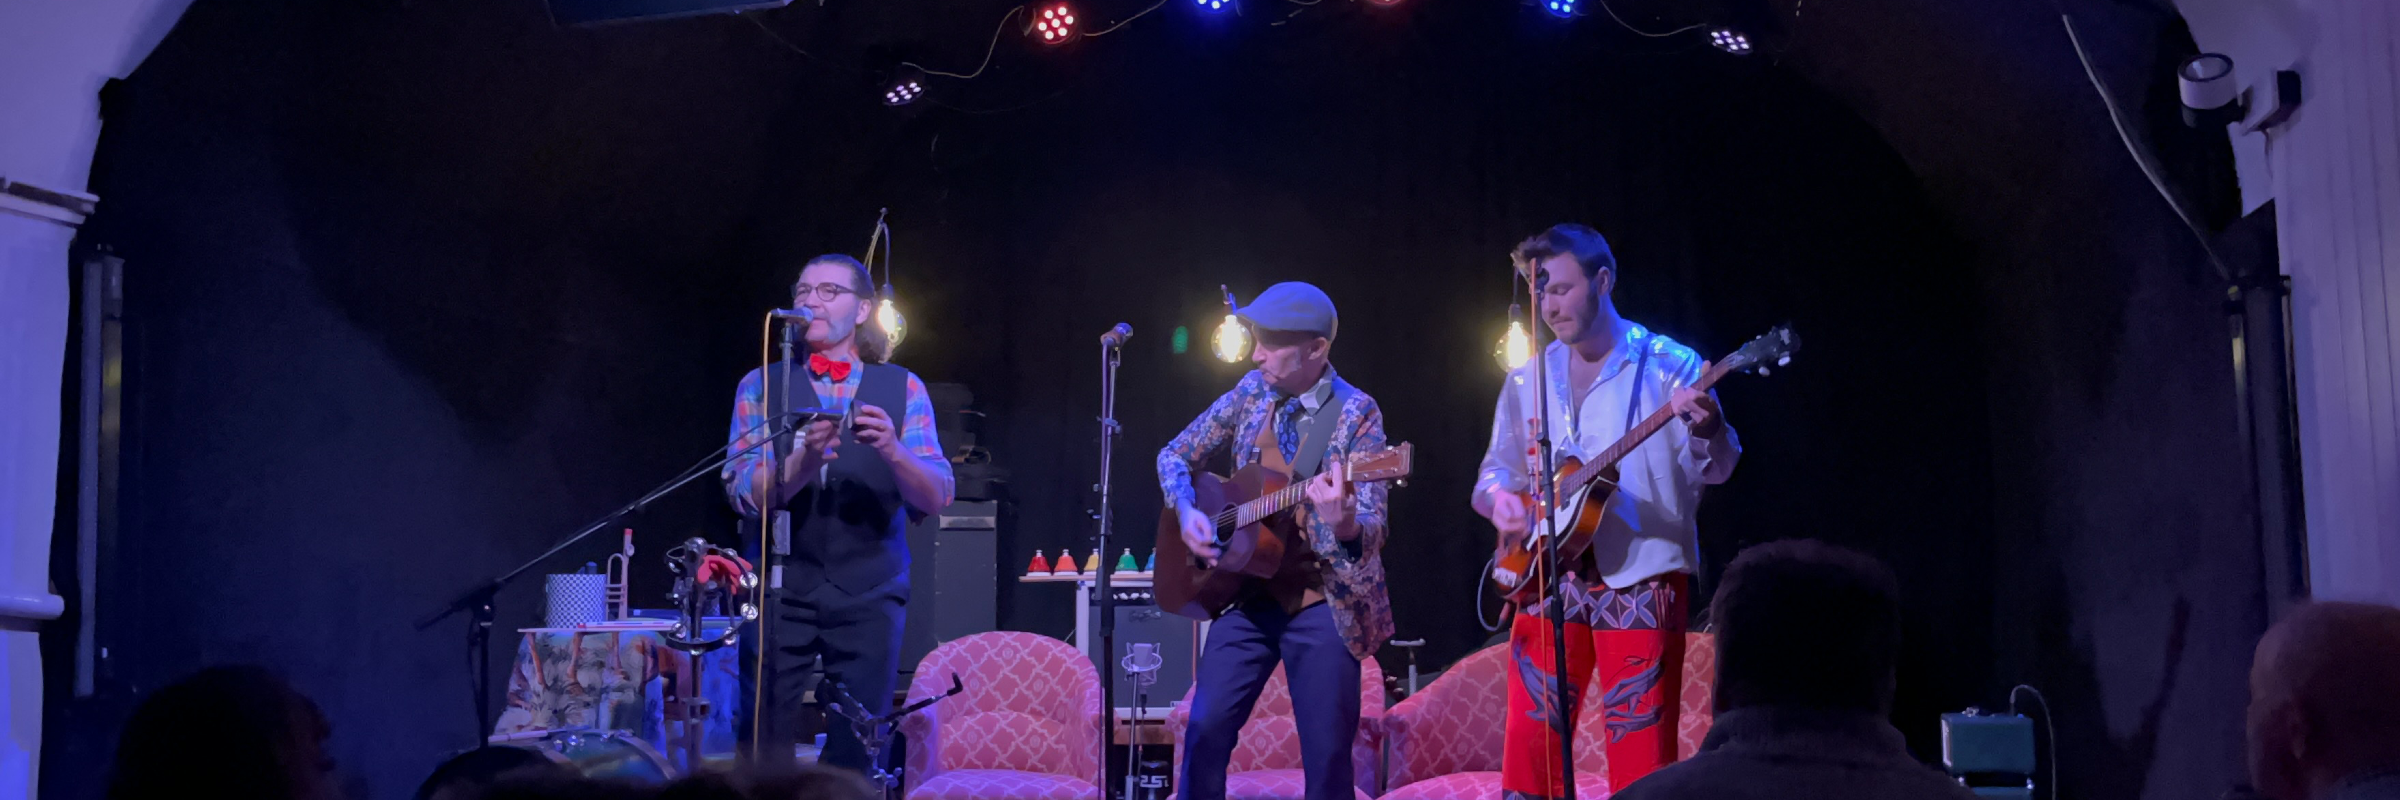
1784	361
1763	372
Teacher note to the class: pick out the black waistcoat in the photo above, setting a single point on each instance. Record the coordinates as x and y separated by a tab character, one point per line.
849	528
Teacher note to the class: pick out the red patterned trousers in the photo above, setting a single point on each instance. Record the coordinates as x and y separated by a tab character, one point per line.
1627	643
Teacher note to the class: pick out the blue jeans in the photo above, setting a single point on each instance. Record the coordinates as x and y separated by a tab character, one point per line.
1242	649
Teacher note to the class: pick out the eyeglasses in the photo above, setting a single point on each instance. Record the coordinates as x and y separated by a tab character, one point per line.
825	291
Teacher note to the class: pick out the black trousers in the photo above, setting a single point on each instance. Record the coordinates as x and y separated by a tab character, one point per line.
858	638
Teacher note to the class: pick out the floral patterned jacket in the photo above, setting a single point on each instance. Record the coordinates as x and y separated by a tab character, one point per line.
1353	570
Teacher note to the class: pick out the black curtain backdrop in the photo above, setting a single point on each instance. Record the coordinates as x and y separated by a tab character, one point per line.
415	288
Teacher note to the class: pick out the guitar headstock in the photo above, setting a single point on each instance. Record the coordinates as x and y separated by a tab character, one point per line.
1763	353
1388	464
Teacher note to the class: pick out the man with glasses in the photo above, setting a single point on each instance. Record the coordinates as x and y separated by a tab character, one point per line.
849	495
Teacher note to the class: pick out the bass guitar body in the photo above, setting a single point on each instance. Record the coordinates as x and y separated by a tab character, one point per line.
1183	585
1517	567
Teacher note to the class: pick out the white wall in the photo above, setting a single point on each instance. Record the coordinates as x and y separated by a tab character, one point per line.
54	56
2336	173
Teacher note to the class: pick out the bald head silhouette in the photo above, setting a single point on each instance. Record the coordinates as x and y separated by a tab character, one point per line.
2325	699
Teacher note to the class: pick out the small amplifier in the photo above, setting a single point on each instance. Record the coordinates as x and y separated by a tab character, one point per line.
1990	754
1175	640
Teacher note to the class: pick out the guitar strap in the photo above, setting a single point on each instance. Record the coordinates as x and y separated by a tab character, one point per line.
1317	436
1641	375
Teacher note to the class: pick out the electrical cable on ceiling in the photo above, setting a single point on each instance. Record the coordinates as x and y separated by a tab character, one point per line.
2141	155
770	32
987	51
1121	23
1612	14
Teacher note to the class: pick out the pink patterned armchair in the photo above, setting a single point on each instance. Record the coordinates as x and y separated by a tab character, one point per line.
1266	759
1026	728
1446	740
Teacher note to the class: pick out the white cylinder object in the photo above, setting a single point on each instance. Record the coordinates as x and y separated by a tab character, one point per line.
2206	82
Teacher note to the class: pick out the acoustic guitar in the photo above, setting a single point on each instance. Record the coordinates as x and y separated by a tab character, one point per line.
1585	486
1253	530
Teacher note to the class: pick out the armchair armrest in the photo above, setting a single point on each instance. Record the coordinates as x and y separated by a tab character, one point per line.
924	732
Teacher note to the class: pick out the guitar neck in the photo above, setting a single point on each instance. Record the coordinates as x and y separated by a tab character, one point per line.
1641	432
1271	503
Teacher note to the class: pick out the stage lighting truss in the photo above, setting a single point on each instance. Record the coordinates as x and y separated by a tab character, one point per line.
1729	40
1053	23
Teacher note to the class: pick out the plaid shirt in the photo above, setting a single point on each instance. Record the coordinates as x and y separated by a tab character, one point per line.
747	480
1354	578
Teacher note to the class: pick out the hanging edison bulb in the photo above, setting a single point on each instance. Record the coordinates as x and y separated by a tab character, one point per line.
888	318
1515	348
1232	341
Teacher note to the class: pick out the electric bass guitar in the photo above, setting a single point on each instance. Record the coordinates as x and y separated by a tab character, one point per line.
1252	530
1583	487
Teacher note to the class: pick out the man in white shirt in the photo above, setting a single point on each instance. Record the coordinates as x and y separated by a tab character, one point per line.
1626	598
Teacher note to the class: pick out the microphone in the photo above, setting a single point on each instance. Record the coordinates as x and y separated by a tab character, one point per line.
801	315
1115	337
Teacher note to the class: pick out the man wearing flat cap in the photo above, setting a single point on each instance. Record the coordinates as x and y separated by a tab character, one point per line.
1325	610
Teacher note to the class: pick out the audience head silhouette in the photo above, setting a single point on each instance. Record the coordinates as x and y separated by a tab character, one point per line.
232	731
2324	715
1806	624
468	775
816	783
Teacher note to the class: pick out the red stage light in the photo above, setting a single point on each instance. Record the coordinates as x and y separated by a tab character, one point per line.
1055	22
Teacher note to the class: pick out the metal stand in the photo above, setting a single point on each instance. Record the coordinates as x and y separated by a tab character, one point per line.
1111	354
876	732
774	542
1553	568
477	602
1141	665
696	590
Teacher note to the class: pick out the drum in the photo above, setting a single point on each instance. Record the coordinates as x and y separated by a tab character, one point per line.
603	755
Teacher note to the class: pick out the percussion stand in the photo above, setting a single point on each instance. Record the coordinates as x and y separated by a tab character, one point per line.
477	602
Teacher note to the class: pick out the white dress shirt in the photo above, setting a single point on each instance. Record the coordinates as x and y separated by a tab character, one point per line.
1649	528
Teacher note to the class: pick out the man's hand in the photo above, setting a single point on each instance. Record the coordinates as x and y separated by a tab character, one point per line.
1199	534
1698	410
1510	517
817	443
1329	497
874	429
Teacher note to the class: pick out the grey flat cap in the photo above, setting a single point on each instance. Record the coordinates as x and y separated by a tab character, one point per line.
1291	306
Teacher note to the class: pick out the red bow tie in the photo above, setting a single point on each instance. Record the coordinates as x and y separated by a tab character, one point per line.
823	367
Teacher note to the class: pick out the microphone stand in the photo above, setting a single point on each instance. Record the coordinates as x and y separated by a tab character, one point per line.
774	542
876	732
476	602
1553	568
1111	354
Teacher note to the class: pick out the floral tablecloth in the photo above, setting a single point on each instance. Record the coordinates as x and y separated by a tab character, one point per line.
608	680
